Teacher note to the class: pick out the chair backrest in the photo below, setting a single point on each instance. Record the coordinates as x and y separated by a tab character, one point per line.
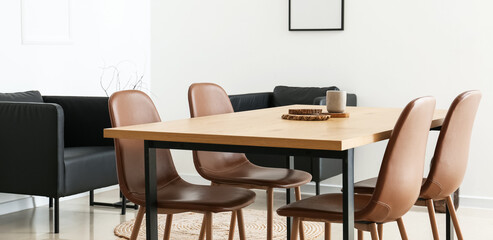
206	99
401	172
133	107
452	150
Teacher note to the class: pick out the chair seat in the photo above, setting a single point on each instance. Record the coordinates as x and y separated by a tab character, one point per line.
252	174
367	186
324	207
179	194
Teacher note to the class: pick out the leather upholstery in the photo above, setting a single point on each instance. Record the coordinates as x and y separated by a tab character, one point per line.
284	95
67	152
398	182
37	127
251	101
209	99
84	119
451	153
135	107
88	168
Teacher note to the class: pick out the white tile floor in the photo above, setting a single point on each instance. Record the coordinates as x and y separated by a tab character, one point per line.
80	221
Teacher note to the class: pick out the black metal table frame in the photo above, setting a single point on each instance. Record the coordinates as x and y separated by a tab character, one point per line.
347	156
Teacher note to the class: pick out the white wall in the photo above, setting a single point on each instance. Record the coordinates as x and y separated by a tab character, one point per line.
103	32
390	53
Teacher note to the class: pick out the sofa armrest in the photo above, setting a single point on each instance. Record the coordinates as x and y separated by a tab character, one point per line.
251	101
85	119
350	101
31	148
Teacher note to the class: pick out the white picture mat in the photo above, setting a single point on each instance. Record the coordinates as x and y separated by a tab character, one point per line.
316	14
45	21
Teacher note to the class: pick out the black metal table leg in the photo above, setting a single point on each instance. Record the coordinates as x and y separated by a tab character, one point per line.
348	194
151	191
449	227
289	165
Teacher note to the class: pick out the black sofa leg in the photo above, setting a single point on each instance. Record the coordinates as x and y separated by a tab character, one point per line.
123	204
57	215
50	202
91	198
317	188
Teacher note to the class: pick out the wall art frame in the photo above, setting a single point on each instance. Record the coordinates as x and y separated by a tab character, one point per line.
316	15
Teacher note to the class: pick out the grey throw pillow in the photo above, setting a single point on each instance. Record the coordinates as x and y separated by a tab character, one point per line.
29	96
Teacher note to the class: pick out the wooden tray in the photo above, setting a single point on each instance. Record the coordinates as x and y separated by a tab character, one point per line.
320	117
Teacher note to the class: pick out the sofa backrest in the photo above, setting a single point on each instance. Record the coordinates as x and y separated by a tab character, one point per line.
85	119
284	95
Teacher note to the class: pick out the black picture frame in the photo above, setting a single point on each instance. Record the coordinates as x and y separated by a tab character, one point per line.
339	28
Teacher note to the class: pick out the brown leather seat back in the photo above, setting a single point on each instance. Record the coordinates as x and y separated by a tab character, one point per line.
129	108
207	99
401	172
452	151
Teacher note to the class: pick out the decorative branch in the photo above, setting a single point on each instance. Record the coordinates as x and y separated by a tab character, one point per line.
133	82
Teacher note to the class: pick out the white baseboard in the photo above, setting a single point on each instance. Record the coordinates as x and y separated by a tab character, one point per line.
28	201
309	189
475	202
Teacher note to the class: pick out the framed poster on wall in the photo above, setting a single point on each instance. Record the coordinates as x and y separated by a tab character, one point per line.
316	15
45	22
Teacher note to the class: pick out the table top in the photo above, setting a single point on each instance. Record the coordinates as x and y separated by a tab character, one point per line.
265	128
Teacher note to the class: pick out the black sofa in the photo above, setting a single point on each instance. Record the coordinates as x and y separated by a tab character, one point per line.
319	168
53	146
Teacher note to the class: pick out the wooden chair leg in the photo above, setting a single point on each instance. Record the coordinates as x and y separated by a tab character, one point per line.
373	231
380	230
202	229
360	235
137	223
295	228
297	192
167	228
204	222
402	229
270	212
232	225
433	221
241	225
453	214
327	231
208	227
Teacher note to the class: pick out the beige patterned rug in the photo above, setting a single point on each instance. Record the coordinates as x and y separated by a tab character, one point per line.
187	226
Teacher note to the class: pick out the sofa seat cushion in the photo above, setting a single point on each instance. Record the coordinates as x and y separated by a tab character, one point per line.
29	96
284	95
88	168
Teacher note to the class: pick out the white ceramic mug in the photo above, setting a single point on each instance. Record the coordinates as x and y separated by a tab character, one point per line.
336	101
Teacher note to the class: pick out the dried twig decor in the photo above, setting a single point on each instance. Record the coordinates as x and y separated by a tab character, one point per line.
111	78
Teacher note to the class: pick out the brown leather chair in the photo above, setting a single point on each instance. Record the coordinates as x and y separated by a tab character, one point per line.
174	195
398	182
234	168
448	166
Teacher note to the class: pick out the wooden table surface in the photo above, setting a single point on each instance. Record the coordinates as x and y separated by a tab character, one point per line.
265	128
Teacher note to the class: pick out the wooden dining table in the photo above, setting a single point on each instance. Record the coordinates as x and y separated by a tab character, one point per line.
264	131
